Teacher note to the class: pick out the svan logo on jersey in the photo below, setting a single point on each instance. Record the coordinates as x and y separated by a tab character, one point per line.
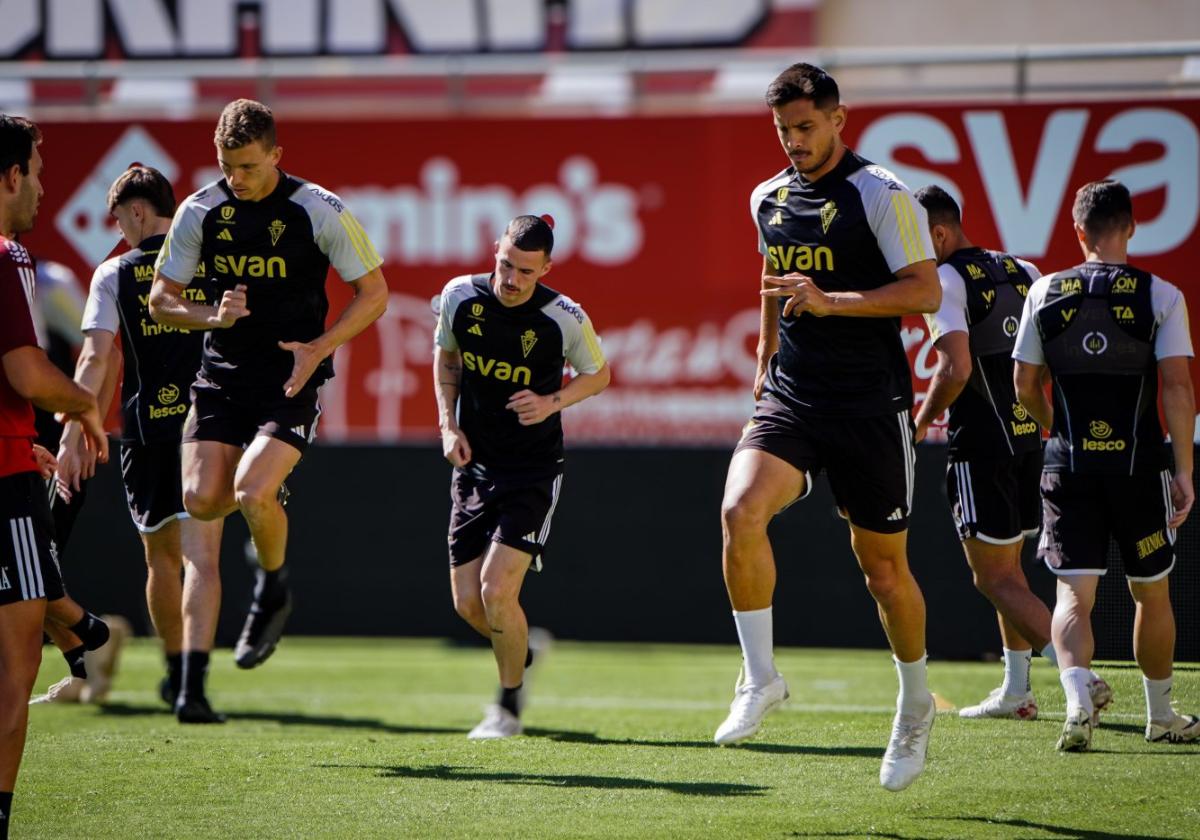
496	369
800	257
250	266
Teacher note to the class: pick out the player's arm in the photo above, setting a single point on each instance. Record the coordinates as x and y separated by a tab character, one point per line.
914	291
447	381
35	378
768	330
949	378
168	305
369	302
95	370
1179	410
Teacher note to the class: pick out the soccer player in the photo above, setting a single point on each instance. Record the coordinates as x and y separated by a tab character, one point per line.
154	397
267	241
846	246
1105	331
500	345
29	573
995	452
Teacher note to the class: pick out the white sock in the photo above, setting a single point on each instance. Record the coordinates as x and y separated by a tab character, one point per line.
756	634
1016	672
1075	684
1048	652
914	692
1158	699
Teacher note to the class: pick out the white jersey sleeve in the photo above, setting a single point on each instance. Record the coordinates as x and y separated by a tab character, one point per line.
1028	347
1031	269
952	314
1174	336
759	194
102	310
455	292
581	347
180	252
337	233
899	223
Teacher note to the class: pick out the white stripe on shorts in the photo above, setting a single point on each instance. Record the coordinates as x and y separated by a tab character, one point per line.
1168	505
910	459
544	534
19	557
35	561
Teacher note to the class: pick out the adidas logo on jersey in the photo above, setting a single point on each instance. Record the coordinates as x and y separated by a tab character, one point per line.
777	219
225	234
475	330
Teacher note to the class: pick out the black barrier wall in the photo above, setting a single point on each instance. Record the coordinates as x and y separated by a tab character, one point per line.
634	556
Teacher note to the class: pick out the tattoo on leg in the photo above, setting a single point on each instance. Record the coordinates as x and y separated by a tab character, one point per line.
497	630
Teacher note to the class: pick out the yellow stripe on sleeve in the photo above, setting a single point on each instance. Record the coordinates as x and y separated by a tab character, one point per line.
357	237
907	228
593	344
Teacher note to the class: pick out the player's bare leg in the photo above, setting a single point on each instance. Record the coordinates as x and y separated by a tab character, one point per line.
263	468
200	546
164	592
757	486
208	472
1071	627
1154	649
883	559
501	575
466	589
20	657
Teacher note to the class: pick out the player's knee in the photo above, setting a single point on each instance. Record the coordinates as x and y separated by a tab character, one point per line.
202	505
254	498
742	516
883	581
469	606
496	595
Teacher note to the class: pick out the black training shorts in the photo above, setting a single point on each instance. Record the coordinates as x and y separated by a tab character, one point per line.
996	500
153	484
511	511
221	416
1081	512
870	460
28	556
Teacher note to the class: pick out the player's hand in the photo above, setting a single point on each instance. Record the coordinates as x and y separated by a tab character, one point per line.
46	461
455	447
94	437
802	293
231	307
533	408
1182	497
306	357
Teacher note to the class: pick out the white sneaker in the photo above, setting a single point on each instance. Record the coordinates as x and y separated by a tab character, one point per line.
1000	705
498	722
1181	729
1101	694
101	663
66	690
905	756
751	703
1076	733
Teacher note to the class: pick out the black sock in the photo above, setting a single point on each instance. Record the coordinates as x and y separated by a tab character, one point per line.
5	812
270	587
195	672
528	657
175	672
91	630
509	699
74	658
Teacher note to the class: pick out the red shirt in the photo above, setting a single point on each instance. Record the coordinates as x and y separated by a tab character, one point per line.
17	430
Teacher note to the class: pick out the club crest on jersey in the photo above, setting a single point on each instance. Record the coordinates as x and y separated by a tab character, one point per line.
477	311
528	339
227	213
276	230
781	195
828	211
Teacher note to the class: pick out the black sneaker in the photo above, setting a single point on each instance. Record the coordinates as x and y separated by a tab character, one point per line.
261	632
196	710
165	692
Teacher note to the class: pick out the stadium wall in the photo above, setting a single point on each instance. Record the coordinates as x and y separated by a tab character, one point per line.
634	556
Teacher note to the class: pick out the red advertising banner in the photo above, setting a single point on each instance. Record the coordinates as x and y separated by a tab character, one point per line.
654	235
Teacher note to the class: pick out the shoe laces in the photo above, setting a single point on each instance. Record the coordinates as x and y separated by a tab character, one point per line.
905	735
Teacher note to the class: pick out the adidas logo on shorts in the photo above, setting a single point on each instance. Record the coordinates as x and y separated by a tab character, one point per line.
896	516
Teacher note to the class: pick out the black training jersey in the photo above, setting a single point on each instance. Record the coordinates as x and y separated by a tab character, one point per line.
983	293
160	361
280	248
509	349
1100	328
850	231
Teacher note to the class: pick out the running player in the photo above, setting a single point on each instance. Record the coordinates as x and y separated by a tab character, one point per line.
267	241
161	365
1105	332
498	372
29	573
995	452
845	244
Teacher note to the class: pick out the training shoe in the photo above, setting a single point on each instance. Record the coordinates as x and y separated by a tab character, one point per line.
101	664
498	722
751	703
904	758
1101	694
1000	705
262	631
1077	732
67	690
1181	729
196	710
165	692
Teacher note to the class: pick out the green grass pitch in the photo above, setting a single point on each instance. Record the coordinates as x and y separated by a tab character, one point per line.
356	738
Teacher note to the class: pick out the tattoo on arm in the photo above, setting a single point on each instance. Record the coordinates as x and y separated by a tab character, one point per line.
557	399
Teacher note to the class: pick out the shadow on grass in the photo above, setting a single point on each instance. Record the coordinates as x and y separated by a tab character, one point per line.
447	773
869	833
569	737
295	719
1059	830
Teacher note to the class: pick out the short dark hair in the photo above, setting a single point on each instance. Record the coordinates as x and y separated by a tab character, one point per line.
18	136
244	121
144	182
530	233
804	81
939	205
1102	207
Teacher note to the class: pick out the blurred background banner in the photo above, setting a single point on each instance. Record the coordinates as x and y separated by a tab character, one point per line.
653	236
